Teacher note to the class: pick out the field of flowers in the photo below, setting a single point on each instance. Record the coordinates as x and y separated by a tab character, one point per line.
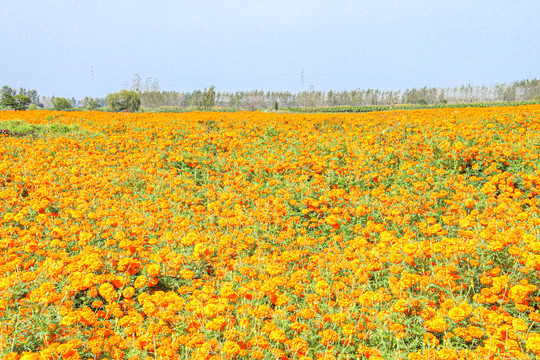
393	235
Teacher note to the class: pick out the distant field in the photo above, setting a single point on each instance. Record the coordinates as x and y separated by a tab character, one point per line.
394	235
372	108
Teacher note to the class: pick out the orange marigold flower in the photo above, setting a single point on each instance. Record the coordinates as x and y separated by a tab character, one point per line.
430	340
534	316
447	354
278	335
190	239
153	270
256	354
227	290
187	274
328	336
457	314
436	324
282	300
299	346
299	327
349	329
476	332
108	292
401	306
533	343
231	348
519	325
322	288
332	220
140	281
128	292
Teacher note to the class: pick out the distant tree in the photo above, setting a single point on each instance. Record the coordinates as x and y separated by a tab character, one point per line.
32	94
6	100
195	98
124	100
6	90
61	103
208	98
9	100
92	104
21	102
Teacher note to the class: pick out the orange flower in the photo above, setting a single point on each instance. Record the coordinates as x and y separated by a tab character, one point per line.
140	281
436	324
328	336
231	348
322	288
153	270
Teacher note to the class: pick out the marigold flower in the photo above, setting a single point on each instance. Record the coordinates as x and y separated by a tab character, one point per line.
533	343
187	274
153	270
322	288
447	354
401	306
256	354
140	281
436	324
278	335
128	292
349	329
457	314
328	336
231	348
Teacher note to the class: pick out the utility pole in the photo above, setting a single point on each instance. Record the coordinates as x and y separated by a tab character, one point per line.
92	80
302	79
302	89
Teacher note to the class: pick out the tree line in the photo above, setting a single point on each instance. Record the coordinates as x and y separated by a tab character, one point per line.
151	96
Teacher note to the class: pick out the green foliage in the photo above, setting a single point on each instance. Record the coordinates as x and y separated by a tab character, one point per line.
276	106
20	128
92	105
61	103
21	102
7	101
7	90
371	108
124	100
208	98
32	95
11	101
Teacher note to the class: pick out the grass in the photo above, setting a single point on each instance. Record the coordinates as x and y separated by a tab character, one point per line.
20	128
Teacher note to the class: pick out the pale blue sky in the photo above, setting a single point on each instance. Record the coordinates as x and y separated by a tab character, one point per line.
53	46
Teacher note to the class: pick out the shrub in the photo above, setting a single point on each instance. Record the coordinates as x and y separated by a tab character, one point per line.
61	103
124	100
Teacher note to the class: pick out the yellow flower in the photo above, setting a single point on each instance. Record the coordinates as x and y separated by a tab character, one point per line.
153	270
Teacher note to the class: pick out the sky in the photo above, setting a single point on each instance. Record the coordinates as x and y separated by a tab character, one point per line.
91	48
